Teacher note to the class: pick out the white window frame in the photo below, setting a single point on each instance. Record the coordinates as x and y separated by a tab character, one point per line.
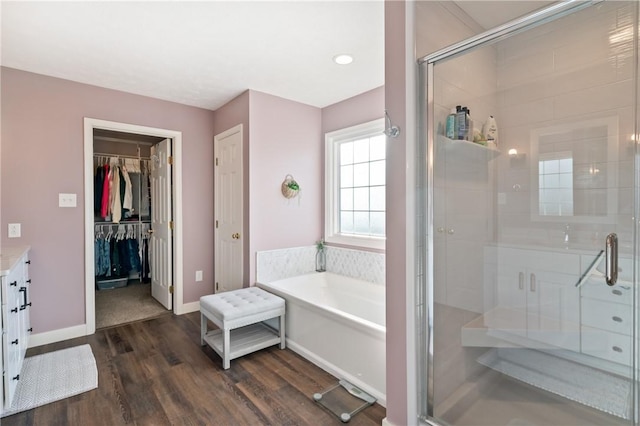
331	204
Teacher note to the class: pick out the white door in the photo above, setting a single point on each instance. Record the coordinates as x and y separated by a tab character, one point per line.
161	222
228	210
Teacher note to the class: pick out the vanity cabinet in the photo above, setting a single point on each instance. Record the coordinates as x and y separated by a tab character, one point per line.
535	297
14	289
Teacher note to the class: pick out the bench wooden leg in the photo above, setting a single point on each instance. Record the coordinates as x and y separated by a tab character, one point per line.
282	333
226	349
203	328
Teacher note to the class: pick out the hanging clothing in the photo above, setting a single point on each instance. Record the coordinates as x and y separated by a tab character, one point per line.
116	201
127	203
97	190
104	208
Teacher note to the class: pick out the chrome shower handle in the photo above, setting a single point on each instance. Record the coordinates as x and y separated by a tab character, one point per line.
611	263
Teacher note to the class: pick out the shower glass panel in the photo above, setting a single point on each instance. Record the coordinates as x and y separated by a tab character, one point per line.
525	329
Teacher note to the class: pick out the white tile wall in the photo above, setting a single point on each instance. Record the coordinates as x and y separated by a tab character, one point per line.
284	263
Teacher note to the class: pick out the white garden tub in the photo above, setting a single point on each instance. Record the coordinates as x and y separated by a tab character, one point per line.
338	323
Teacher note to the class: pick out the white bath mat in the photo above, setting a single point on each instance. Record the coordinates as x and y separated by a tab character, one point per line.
577	382
54	376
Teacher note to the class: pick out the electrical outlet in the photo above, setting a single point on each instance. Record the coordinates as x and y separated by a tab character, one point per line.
67	200
198	275
14	230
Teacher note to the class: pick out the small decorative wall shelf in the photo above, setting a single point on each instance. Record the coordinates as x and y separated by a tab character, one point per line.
290	188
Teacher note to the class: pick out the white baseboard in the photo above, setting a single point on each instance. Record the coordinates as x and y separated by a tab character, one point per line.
59	335
386	422
188	308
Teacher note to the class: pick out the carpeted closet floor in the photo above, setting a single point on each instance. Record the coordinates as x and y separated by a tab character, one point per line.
122	305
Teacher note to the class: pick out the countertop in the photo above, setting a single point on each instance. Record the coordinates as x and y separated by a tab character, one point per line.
9	256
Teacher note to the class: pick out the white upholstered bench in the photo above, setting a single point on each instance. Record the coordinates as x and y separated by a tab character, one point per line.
239	315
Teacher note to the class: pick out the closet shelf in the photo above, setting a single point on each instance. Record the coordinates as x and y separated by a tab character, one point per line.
123	222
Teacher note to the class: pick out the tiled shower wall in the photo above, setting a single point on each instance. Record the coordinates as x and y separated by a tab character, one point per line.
284	263
575	71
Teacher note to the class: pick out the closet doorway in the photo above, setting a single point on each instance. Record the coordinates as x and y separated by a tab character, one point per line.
132	207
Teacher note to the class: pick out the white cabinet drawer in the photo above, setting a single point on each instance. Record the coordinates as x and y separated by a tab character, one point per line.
606	345
609	316
596	288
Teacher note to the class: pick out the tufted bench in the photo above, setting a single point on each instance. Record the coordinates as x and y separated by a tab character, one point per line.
239	315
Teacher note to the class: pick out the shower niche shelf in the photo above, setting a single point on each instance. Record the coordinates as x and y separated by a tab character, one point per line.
465	149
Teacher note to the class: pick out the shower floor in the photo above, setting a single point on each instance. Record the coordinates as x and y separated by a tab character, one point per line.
509	402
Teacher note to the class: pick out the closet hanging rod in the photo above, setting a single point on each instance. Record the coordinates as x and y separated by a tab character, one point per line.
135	157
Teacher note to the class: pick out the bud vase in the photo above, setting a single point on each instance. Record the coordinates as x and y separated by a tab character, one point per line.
321	261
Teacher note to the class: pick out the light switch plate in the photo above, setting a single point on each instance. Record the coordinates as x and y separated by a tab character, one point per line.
14	230
67	200
198	275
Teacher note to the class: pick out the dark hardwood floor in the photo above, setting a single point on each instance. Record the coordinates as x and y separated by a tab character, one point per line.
155	372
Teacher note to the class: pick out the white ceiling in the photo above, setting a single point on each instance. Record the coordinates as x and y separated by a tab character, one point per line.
201	53
206	53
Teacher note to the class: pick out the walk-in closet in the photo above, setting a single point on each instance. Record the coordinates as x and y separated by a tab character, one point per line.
123	205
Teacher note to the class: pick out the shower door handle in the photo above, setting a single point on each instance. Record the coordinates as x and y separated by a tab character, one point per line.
611	262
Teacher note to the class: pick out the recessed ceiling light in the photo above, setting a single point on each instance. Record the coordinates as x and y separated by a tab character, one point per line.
343	59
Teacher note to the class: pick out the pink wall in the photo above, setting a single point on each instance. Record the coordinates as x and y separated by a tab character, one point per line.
367	106
226	117
42	155
285	139
396	275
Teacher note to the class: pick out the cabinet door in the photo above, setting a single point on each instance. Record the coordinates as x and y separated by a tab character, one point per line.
553	309
510	312
24	308
11	338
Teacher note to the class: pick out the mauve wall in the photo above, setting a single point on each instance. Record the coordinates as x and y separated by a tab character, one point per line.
285	139
42	144
230	115
367	106
397	281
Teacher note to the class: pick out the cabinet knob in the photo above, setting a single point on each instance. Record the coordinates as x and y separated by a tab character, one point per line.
29	281
30	329
616	292
617	349
14	284
14	342
28	262
451	231
14	310
17	377
616	319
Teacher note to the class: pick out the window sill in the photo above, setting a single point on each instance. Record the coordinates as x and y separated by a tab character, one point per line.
357	242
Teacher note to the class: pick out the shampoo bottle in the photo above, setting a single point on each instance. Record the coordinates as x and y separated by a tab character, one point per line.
461	123
469	135
490	131
451	124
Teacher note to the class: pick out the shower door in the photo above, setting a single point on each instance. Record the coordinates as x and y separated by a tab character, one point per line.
526	322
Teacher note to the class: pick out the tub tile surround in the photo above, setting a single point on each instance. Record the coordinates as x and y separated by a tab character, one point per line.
285	263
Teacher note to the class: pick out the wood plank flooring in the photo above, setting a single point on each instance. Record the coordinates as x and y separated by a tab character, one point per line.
155	372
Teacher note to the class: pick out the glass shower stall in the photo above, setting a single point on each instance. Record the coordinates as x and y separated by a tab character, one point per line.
528	212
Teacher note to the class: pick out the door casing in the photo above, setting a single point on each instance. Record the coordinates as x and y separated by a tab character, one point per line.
89	125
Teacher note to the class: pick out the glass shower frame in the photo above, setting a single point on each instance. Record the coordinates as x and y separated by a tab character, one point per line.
425	224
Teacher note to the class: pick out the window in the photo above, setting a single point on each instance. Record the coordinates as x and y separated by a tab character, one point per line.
555	184
355	190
